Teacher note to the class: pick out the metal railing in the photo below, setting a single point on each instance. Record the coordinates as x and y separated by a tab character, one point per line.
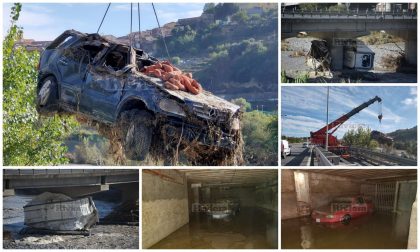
381	158
326	158
23	172
349	14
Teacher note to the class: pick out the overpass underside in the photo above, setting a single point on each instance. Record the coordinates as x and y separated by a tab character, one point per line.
331	29
73	185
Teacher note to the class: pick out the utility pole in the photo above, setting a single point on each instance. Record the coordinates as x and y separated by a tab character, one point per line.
326	132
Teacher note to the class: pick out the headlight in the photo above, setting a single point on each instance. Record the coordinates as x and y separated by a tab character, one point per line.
235	124
171	106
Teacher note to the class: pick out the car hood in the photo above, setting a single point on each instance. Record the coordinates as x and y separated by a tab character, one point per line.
205	97
323	210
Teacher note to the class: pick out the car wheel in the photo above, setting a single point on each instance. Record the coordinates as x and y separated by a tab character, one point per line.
47	97
346	218
138	134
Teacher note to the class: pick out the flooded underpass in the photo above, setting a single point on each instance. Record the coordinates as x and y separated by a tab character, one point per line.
377	231
250	228
349	209
210	209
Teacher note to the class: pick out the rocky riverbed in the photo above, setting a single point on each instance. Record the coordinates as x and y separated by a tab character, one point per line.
102	237
295	65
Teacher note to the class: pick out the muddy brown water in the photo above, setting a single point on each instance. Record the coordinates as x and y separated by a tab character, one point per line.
251	228
377	231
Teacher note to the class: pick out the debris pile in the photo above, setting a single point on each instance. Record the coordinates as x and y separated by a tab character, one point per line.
319	57
173	77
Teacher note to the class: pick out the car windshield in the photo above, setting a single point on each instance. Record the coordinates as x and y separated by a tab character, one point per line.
342	200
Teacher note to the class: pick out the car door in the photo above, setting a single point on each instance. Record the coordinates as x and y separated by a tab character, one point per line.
359	207
102	89
69	64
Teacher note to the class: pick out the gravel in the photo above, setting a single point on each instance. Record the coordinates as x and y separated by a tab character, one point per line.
102	237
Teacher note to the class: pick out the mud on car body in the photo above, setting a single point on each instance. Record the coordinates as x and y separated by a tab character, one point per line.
99	80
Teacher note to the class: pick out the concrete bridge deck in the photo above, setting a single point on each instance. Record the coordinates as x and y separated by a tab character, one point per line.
73	182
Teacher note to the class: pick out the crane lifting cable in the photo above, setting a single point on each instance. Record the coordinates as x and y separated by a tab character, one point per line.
138	14
161	33
107	8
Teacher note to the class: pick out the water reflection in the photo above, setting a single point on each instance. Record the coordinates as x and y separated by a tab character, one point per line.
251	228
369	232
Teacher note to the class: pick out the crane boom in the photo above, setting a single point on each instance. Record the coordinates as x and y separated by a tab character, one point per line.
338	122
319	137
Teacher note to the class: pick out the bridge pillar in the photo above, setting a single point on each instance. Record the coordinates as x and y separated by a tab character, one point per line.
336	57
411	48
8	192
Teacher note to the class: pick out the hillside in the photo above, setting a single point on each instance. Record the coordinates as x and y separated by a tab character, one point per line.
404	135
231	49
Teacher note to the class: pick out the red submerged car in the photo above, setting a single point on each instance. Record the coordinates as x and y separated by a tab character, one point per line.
343	209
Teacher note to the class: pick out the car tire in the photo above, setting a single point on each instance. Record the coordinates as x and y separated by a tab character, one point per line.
137	136
47	96
346	218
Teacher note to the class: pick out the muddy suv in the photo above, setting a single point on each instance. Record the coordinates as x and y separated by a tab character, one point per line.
100	80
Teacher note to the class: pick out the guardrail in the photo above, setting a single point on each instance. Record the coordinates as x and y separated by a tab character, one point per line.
381	158
351	13
326	158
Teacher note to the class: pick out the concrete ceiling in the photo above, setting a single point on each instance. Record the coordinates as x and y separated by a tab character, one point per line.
371	174
230	176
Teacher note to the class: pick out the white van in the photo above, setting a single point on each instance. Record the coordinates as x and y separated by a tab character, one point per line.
285	149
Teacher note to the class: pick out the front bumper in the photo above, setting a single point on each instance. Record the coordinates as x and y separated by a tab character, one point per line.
322	218
204	136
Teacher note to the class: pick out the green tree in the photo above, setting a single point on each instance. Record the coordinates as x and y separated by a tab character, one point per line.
27	138
338	8
261	138
240	17
309	6
359	137
241	102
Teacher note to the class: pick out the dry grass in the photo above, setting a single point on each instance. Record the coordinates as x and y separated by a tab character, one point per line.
392	62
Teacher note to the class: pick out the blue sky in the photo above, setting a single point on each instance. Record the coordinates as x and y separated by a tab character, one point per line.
305	108
45	21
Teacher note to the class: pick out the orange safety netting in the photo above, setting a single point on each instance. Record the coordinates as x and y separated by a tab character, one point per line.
173	77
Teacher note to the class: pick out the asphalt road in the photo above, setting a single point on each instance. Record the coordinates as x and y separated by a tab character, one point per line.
298	155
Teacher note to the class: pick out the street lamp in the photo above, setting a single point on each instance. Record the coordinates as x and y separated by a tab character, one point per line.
326	132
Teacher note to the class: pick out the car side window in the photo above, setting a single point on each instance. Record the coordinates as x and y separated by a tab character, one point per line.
360	200
67	41
76	53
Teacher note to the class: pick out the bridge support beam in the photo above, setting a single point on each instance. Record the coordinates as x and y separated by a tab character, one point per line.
77	191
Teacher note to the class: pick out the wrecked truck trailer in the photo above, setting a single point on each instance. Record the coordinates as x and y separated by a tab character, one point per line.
58	212
103	83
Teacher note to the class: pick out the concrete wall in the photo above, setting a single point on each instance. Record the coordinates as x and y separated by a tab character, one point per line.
288	195
165	208
246	195
267	196
323	188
